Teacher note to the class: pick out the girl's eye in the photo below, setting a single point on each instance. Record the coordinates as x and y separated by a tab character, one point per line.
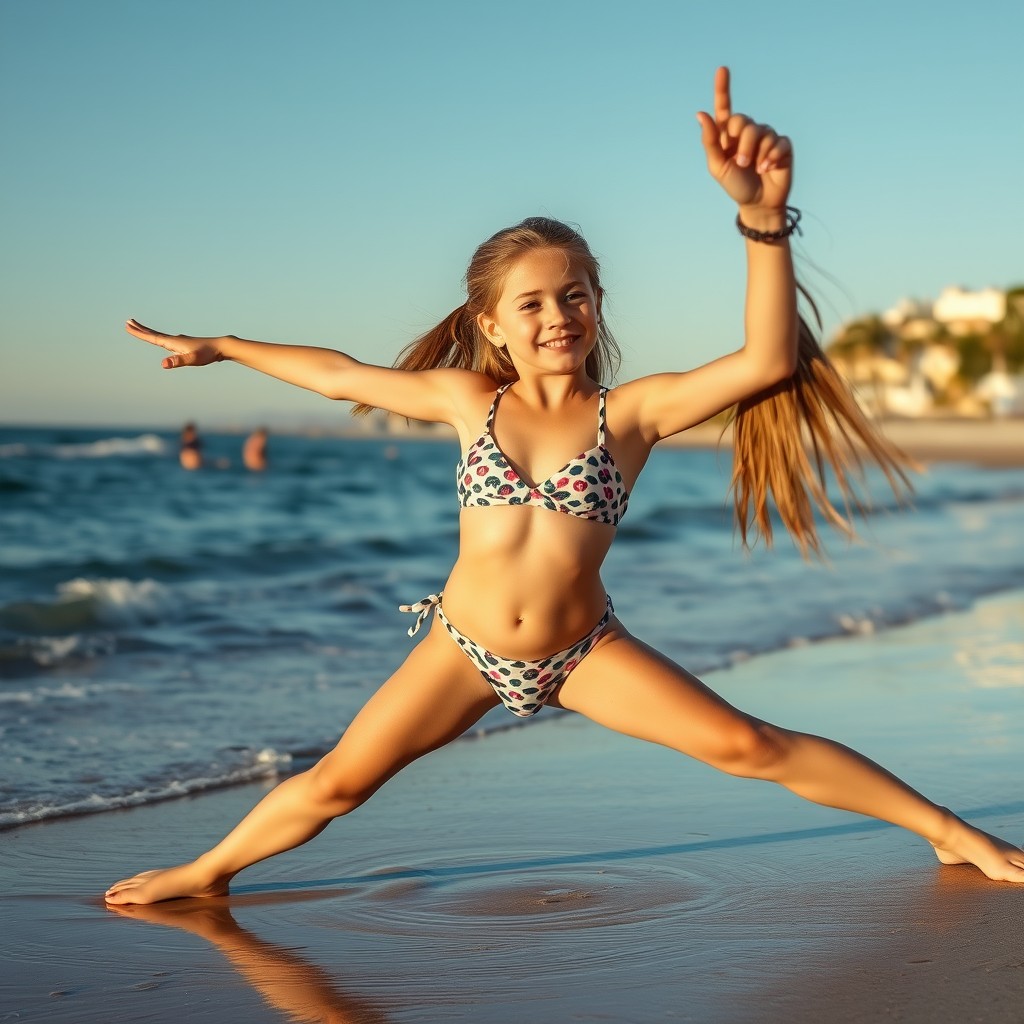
576	296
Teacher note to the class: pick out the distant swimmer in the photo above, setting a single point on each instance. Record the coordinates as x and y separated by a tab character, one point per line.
254	451
190	454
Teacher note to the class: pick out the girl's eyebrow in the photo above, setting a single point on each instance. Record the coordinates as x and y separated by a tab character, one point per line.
537	291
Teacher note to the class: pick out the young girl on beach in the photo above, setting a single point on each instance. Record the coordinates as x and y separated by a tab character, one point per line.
524	619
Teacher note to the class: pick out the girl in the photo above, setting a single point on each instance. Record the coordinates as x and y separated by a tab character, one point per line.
516	372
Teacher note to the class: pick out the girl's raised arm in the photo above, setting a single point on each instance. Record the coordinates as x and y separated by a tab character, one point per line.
799	436
423	395
754	165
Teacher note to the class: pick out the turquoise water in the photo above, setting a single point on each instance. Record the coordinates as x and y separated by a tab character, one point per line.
163	632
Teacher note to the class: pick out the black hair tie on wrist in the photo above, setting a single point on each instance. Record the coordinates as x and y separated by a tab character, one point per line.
792	225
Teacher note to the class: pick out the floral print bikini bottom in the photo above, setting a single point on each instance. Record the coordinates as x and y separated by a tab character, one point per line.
522	686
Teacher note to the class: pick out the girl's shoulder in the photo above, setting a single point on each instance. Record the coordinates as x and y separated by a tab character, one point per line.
466	385
627	398
470	394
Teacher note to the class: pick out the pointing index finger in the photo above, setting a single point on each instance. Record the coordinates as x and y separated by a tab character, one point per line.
723	98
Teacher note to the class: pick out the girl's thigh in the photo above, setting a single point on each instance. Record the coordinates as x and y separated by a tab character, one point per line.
431	699
628	686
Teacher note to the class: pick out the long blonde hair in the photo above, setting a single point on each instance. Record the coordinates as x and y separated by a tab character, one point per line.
457	340
788	440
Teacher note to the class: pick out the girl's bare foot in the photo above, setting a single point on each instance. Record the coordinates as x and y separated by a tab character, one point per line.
965	844
166	884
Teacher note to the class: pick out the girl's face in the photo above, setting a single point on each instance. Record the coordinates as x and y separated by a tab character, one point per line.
548	313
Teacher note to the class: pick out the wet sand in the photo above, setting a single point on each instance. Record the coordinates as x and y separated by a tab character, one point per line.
561	872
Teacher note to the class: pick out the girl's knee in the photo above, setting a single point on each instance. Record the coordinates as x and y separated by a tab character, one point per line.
338	792
753	749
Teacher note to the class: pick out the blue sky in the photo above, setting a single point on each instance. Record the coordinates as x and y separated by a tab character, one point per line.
319	173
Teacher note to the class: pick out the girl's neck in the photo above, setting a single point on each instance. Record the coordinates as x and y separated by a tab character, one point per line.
553	390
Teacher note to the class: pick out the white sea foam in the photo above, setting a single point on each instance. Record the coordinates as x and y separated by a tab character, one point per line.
49	651
64	692
142	444
993	665
267	764
858	625
119	601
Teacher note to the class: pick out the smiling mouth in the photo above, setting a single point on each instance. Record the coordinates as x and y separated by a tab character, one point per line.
558	343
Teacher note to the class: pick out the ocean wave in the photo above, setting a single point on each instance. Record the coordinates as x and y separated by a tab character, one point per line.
65	692
103	448
46	652
83	604
265	763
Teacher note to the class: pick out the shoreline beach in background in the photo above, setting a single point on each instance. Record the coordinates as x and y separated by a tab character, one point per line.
984	442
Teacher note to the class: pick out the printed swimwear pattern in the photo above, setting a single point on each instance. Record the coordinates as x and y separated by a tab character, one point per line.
588	486
522	686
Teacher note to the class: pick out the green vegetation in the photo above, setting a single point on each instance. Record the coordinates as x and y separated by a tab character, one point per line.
980	350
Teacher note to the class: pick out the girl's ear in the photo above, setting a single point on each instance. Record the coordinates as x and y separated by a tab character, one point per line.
491	331
600	299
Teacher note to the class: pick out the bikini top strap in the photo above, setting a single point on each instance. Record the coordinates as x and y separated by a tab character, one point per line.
494	406
600	416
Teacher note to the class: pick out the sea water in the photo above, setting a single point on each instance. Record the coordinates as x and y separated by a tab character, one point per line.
164	632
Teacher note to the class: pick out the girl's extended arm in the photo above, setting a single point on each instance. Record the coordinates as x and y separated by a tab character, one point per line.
800	440
425	395
754	166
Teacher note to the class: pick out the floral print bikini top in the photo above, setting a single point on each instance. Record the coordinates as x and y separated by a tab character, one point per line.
588	486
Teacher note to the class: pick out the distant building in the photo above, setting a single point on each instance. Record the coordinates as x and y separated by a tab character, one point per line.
962	312
910	361
910	320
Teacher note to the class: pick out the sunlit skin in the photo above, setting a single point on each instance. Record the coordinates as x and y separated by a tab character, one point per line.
527	581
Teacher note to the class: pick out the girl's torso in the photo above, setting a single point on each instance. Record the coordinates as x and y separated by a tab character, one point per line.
527	581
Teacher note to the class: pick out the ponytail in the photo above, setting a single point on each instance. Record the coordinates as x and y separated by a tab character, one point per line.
454	342
787	438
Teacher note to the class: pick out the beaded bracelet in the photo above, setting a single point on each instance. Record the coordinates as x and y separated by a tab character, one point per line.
792	225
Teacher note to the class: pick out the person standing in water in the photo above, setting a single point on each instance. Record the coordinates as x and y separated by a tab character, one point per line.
190	450
523	619
254	450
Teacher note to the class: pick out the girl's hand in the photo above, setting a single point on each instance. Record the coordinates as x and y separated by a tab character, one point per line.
750	161
185	351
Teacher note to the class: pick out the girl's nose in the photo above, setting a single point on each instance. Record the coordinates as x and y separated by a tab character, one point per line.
559	315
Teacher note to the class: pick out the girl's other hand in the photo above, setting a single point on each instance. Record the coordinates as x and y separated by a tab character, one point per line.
185	351
750	161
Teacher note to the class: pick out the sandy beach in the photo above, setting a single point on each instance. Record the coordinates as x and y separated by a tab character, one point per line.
991	443
561	872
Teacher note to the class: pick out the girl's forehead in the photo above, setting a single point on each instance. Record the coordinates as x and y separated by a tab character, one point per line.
543	267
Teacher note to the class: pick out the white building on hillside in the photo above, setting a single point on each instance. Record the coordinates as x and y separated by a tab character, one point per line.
964	312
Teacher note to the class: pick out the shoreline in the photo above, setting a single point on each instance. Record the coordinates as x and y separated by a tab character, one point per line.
991	444
566	872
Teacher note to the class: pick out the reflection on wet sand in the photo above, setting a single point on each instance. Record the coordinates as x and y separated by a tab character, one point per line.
305	991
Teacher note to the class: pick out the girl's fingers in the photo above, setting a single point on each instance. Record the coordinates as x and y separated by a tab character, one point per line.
755	145
144	332
709	137
780	154
765	147
723	96
747	143
732	130
740	152
178	359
